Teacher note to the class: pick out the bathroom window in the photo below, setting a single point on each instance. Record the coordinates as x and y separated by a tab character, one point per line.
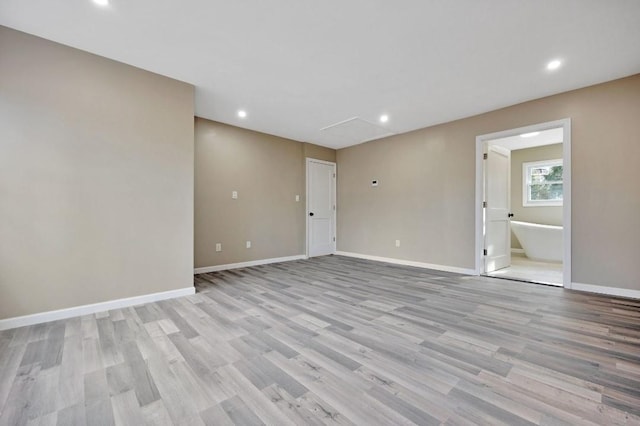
542	183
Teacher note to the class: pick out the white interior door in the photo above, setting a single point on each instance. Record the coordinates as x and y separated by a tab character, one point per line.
321	204
498	208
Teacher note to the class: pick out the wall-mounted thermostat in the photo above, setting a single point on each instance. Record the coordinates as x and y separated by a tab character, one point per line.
374	182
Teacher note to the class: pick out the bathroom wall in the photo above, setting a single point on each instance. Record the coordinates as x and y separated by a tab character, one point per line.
546	215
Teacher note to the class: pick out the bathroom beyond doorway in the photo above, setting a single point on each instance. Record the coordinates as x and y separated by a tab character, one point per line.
523	175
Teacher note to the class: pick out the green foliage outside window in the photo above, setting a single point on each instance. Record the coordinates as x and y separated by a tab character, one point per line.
547	186
543	183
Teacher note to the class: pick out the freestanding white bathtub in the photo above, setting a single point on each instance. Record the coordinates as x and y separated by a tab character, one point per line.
540	242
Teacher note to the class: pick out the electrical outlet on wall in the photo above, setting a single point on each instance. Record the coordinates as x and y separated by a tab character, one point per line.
397	243
248	244
234	195
218	247
297	198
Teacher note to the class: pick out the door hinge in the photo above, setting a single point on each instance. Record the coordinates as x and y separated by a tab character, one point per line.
334	207
484	204
334	175
485	156
334	239
484	252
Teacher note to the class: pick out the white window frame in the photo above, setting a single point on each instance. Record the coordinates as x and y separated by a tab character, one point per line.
526	202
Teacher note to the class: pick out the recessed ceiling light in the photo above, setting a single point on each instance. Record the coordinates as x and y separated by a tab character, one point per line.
101	2
529	135
384	118
242	113
554	65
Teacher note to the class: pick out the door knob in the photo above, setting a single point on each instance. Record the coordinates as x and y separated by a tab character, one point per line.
310	214
510	215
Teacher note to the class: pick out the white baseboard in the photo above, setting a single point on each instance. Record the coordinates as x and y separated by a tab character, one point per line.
76	311
409	263
611	291
517	250
215	268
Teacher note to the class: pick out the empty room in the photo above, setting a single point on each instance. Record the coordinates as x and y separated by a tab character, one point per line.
292	213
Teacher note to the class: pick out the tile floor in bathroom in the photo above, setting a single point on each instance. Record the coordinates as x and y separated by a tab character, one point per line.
525	269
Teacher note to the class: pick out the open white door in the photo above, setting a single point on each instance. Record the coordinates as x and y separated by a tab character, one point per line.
497	211
321	204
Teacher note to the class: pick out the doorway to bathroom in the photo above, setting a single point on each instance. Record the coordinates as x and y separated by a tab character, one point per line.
523	195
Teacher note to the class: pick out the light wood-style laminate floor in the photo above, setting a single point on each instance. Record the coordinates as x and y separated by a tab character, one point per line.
333	340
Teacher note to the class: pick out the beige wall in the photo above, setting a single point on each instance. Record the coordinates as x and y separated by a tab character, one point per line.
427	182
96	178
267	172
318	152
546	215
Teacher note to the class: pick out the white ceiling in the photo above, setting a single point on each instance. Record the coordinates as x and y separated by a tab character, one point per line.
298	66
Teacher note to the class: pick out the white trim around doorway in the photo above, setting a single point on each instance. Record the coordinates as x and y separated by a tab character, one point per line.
566	207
